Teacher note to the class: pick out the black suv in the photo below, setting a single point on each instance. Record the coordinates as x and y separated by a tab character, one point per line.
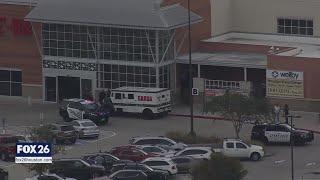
73	109
103	159
280	133
76	168
151	173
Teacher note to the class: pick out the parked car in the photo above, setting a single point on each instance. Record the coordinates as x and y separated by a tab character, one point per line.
4	175
238	149
159	141
195	152
77	109
117	149
86	128
131	153
161	163
63	133
104	159
129	175
184	163
151	173
24	138
101	178
155	150
47	176
280	133
8	147
76	168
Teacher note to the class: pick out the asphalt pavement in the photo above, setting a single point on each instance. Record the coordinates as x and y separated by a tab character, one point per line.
20	115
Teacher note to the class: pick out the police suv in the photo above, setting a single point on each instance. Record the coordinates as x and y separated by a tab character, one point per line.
280	133
77	109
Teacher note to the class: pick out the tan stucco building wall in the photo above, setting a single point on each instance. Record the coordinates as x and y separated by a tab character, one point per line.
260	16
221	16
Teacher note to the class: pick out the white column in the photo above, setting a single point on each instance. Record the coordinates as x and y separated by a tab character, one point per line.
157	59
198	70
245	74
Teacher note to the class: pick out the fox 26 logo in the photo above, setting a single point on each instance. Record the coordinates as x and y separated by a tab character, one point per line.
33	150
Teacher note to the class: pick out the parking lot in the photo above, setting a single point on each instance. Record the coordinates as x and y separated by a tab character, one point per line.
275	166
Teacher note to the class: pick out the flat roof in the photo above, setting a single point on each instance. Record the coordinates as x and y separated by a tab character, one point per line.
143	14
20	2
228	59
140	89
303	46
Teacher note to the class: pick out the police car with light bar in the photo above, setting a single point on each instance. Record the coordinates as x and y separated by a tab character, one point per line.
280	133
77	109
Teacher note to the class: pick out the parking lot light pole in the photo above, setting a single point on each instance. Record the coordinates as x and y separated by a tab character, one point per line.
192	133
291	143
291	147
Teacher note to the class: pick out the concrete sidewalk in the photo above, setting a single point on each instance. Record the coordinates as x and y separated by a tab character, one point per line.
308	120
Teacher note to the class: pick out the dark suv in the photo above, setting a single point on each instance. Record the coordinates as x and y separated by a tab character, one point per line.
76	168
63	133
280	133
73	109
3	174
151	173
8	146
103	159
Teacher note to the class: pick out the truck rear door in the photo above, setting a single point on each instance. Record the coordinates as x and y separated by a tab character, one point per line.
164	97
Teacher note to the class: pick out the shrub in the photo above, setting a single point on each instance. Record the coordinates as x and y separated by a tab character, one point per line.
187	139
42	134
219	167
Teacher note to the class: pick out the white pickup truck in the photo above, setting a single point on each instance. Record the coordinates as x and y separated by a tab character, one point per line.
239	149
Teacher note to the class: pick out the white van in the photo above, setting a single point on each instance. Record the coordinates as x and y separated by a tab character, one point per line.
147	101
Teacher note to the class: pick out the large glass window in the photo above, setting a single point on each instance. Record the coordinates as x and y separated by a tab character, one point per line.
114	76
10	82
295	26
164	76
109	43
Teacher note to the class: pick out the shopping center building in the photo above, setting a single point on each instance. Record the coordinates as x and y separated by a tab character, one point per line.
271	45
107	44
20	65
270	50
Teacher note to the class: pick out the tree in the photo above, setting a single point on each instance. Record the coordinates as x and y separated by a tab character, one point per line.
240	108
42	134
219	167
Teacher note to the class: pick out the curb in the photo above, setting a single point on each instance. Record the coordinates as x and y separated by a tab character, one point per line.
223	119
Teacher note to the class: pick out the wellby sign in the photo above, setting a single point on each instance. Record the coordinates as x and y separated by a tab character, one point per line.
274	74
287	84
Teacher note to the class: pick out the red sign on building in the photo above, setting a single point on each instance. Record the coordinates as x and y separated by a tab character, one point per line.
18	27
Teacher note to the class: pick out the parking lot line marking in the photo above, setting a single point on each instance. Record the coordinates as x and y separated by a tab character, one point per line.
311	164
100	139
280	161
8	166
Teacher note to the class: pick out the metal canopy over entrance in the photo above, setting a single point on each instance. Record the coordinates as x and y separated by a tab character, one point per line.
228	59
223	68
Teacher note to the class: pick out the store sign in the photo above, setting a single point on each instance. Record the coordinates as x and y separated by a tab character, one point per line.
17	27
215	92
288	84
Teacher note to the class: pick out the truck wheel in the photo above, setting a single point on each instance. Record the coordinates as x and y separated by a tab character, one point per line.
147	114
255	156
